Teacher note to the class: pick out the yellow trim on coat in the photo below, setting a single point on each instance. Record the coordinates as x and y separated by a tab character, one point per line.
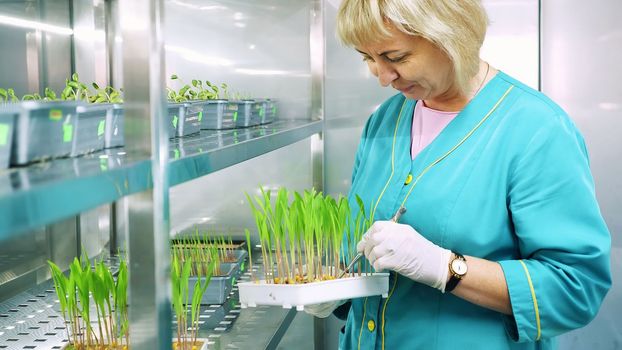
384	307
362	322
535	300
399	117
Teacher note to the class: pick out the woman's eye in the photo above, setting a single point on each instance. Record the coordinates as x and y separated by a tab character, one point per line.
396	59
367	59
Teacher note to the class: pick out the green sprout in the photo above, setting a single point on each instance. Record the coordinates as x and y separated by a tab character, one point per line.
8	95
307	239
75	90
75	292
197	90
106	94
180	278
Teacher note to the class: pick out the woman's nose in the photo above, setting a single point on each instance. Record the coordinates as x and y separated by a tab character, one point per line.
386	74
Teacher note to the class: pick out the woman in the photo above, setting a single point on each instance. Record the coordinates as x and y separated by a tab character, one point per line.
502	245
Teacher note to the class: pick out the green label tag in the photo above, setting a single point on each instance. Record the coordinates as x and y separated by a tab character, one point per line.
175	120
176	151
4	134
233	281
67	132
235	116
200	116
101	127
56	114
103	164
242	266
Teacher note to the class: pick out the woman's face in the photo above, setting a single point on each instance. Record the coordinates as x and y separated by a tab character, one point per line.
410	64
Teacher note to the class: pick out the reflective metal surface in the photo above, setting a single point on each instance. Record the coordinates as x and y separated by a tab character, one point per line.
146	135
43	193
34	58
581	51
30	196
32	320
259	48
216	203
211	151
89	41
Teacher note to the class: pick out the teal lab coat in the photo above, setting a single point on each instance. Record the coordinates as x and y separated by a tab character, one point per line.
517	190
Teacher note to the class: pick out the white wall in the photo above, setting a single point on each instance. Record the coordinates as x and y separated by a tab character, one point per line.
581	55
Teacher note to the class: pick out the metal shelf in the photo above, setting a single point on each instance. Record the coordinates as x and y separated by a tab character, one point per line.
210	151
32	320
43	193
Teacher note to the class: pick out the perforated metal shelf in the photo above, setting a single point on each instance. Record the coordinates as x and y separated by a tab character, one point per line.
32	320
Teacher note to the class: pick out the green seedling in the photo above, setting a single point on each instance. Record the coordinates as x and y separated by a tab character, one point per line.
204	92
181	95
180	279
197	90
106	94
307	239
75	90
89	285
8	95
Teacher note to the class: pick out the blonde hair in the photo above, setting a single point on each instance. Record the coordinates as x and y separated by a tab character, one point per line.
457	27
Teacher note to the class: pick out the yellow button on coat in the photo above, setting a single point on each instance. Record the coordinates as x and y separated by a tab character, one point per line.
409	178
371	325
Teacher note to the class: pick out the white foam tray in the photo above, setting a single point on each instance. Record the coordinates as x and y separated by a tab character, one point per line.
299	295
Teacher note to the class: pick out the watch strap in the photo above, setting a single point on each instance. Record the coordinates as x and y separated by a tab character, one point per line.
454	279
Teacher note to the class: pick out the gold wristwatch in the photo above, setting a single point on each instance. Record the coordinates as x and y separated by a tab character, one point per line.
458	269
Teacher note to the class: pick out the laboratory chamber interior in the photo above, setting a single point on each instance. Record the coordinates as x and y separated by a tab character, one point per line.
284	51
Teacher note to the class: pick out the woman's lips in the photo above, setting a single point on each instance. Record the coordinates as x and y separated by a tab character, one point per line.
405	89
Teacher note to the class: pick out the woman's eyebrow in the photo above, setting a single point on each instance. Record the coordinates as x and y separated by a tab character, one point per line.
385	53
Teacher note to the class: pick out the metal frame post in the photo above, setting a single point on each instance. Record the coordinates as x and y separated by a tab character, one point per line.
145	136
317	45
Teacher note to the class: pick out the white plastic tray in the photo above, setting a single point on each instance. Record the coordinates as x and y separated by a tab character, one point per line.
299	295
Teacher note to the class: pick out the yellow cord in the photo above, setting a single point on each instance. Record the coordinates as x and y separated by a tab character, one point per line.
535	300
399	117
425	171
362	322
384	307
458	144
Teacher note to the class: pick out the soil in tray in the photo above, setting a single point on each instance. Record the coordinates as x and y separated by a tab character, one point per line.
95	347
301	280
198	345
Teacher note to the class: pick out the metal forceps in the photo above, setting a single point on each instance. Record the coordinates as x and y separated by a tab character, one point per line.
358	256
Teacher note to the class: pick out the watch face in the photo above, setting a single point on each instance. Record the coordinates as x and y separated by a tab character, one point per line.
459	266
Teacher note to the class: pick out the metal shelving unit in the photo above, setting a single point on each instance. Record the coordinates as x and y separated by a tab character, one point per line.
30	196
32	320
141	174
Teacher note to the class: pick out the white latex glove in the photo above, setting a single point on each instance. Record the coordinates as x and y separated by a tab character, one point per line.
392	246
323	310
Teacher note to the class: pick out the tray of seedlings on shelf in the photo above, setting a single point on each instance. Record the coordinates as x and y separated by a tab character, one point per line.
218	114
114	133
8	115
247	114
44	130
91	128
93	301
203	252
303	245
266	108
